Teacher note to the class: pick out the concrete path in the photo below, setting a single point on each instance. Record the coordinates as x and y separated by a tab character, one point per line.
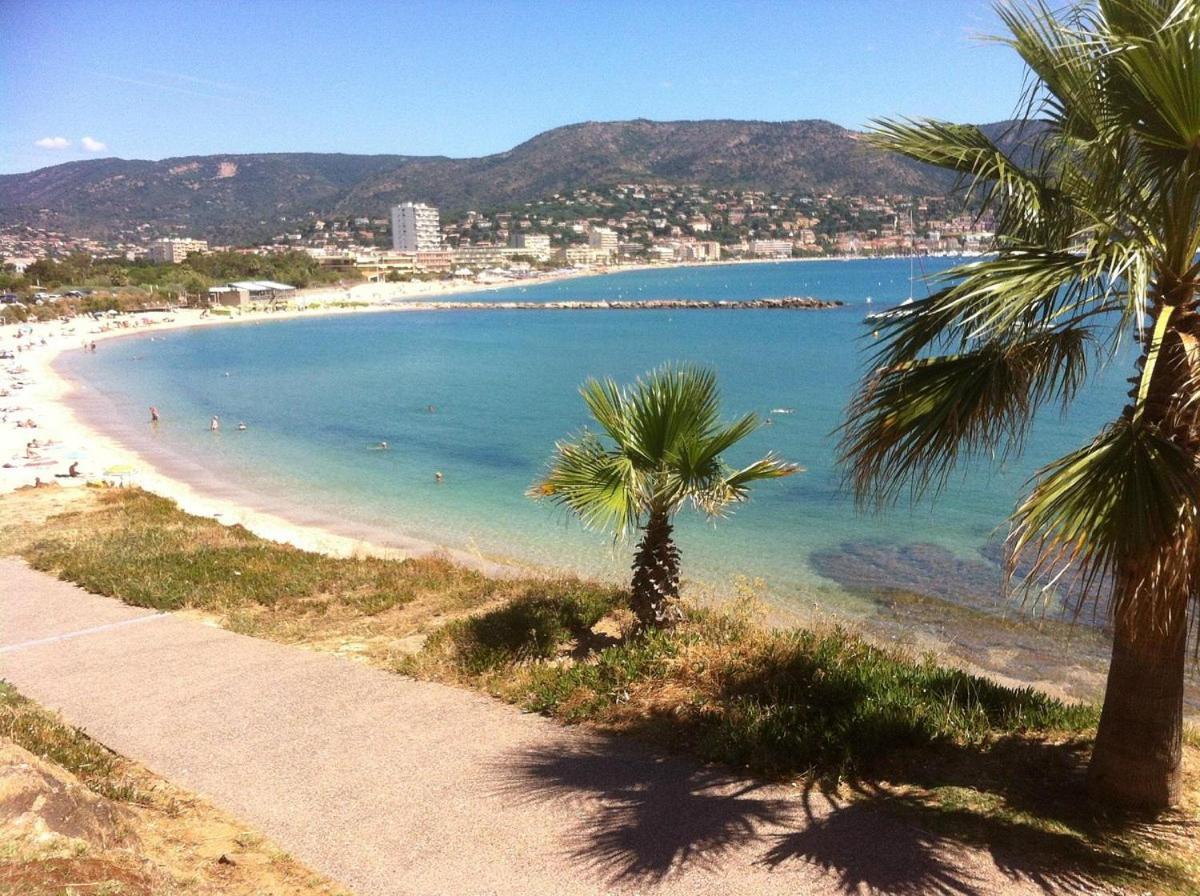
392	786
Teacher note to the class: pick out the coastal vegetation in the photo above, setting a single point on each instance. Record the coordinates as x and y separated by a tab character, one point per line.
1098	234
667	442
968	759
192	275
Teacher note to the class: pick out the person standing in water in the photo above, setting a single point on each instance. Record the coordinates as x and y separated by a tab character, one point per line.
153	414
215	424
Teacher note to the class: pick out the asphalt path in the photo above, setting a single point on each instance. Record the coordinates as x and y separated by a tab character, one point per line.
394	786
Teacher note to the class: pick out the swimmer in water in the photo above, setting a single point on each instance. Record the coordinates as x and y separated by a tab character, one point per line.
438	476
242	426
380	446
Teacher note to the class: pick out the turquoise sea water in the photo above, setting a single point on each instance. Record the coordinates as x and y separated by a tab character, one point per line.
317	393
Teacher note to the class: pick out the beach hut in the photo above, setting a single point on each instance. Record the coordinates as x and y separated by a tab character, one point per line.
228	295
264	290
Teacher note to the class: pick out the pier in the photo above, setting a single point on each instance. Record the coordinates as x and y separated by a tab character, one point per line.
799	303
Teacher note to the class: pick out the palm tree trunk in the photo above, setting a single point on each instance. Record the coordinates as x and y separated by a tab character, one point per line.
655	573
1138	759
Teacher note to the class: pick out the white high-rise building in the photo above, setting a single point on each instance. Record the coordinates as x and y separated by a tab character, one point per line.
171	250
603	240
416	227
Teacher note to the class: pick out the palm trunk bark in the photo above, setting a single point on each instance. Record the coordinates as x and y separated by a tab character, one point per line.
1138	760
655	574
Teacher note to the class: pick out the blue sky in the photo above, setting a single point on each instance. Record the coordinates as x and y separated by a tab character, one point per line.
159	78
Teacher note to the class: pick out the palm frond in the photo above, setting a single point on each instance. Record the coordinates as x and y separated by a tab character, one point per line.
912	423
1124	507
668	440
1023	287
598	485
983	168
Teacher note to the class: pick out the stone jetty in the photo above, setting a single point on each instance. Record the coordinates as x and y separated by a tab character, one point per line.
798	303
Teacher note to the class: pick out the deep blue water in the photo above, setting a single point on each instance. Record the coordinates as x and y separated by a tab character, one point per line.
318	393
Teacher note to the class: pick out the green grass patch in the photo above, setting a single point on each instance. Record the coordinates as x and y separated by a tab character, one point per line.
782	703
144	550
43	734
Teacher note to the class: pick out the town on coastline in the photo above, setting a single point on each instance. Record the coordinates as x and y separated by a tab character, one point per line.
584	229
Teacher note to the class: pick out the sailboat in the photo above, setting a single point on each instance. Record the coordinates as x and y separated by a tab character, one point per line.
900	310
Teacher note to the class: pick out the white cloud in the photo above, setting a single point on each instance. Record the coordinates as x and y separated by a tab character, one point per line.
52	143
91	144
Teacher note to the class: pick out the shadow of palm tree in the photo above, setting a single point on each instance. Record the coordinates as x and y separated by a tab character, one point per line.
1029	808
868	848
644	817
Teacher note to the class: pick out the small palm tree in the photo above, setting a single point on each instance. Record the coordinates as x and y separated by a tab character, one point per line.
1098	230
667	442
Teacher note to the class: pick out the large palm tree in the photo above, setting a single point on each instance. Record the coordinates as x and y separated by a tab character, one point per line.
1097	207
667	439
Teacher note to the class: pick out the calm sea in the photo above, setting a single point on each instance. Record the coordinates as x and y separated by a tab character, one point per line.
317	394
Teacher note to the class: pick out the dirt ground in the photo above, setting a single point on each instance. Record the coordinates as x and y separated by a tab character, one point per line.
58	838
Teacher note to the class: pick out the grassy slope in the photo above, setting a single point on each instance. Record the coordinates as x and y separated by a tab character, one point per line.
972	760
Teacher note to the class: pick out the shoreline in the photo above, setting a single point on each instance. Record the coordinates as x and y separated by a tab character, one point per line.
38	391
61	408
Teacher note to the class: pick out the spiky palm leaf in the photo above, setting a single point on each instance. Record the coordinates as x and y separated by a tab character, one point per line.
666	445
1098	230
1099	226
665	448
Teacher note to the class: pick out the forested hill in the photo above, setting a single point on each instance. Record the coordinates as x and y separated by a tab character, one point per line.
237	198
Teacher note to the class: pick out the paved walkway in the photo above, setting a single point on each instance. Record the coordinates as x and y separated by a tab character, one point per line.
393	786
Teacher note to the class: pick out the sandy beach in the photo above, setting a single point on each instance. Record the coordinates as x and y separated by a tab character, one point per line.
32	392
41	437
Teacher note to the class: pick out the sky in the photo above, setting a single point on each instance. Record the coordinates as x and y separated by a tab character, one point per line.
154	79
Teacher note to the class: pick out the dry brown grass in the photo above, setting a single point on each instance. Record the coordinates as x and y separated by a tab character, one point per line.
145	836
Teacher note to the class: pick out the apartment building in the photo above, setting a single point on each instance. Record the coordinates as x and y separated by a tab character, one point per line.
172	250
416	227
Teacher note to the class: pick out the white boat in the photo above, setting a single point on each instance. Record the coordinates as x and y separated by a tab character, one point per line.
899	311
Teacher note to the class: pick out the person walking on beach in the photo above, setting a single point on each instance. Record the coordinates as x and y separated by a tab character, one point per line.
215	424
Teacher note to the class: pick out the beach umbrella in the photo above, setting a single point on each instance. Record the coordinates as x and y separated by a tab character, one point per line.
120	472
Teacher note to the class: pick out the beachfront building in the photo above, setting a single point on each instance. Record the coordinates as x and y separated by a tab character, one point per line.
602	239
228	296
582	256
536	245
771	248
416	227
697	250
492	255
172	250
243	292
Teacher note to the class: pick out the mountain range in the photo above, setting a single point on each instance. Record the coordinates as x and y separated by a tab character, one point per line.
243	197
